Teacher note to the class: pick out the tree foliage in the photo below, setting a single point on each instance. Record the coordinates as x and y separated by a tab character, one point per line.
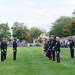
58	26
20	31
35	32
66	30
4	31
23	33
69	29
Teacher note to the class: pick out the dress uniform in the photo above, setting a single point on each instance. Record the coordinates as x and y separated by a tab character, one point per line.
45	46
53	47
43	50
5	48
14	49
57	48
71	47
48	49
2	50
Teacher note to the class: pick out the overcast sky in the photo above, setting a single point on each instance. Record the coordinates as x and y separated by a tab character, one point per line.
38	13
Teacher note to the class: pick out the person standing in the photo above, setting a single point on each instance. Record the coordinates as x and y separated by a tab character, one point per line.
45	46
50	46
53	47
14	49
57	49
48	49
43	50
2	49
5	48
71	47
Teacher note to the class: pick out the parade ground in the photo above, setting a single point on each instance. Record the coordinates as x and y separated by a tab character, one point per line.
31	61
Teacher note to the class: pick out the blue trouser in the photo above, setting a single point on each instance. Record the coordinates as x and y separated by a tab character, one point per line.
2	55
14	54
53	55
72	53
48	53
57	57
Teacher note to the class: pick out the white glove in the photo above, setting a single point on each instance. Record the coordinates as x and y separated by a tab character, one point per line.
5	50
57	51
2	50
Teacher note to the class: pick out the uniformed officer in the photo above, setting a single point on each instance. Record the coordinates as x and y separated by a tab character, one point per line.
2	49
49	52
57	48
43	50
50	46
47	49
45	46
71	47
5	48
14	49
53	47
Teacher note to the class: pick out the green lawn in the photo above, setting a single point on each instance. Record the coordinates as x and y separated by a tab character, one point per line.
31	61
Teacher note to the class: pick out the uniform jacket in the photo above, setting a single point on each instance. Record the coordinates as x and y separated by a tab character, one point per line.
71	45
52	44
46	45
2	45
57	46
6	45
14	44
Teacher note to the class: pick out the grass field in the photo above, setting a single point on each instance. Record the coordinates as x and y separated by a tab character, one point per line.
31	61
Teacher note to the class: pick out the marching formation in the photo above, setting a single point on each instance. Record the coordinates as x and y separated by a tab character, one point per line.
52	48
4	49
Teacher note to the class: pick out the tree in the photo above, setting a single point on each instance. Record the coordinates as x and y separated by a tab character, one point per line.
72	28
20	31
69	29
66	30
4	31
35	32
59	24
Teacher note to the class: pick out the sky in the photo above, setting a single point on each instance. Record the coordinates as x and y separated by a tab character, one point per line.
35	13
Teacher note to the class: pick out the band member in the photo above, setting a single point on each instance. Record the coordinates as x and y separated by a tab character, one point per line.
45	46
2	50
48	49
71	47
53	47
43	50
50	45
5	48
57	48
14	49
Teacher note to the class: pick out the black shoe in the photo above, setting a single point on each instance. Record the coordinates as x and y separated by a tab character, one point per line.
53	59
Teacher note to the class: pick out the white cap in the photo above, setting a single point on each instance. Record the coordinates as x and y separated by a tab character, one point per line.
58	37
